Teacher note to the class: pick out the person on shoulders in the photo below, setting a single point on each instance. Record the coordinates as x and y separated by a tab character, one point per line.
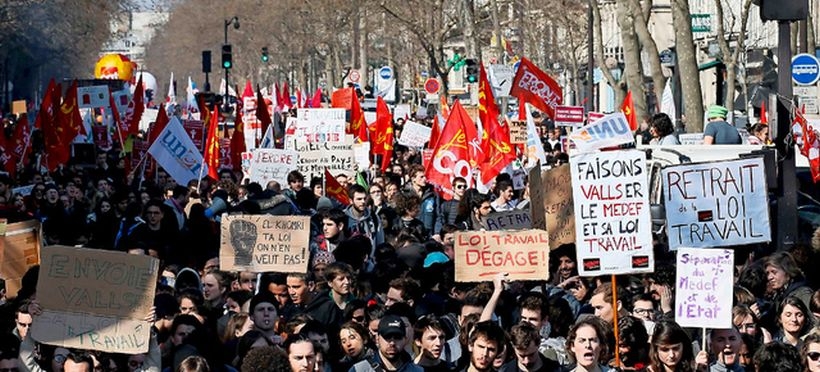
718	131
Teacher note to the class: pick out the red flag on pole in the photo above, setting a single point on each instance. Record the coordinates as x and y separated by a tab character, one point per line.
316	101
628	108
46	114
536	87
452	153
262	113
71	122
211	156
764	116
333	189
495	139
133	114
381	134
358	127
159	124
284	96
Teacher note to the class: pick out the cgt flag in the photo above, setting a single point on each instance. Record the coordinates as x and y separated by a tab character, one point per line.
536	87
495	139
176	153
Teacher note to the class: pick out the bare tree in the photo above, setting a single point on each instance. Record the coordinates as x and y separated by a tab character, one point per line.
730	57
617	85
632	58
688	65
649	47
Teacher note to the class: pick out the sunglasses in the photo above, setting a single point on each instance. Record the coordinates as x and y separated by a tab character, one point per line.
461	187
814	355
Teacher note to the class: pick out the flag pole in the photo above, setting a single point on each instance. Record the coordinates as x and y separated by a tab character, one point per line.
615	321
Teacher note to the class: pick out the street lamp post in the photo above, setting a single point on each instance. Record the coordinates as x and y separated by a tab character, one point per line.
235	22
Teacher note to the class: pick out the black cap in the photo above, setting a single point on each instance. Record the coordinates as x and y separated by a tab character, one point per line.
391	325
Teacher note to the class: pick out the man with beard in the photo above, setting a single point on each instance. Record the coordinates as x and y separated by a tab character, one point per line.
431	342
391	355
525	341
361	219
486	341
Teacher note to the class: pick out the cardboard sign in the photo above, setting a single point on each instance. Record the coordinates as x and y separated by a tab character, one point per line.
148	116
414	134
195	130
315	157
272	165
509	220
558	206
518	131
19	107
612	130
480	255
702	297
361	152
320	125
261	243
716	204
19	250
535	181
95	299
569	116
612	222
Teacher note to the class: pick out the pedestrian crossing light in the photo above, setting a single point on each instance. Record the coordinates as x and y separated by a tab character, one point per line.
265	56
227	57
471	71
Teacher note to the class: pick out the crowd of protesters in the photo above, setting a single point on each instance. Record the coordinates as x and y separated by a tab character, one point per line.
380	293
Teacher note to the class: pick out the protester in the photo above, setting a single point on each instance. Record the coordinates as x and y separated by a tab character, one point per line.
717	131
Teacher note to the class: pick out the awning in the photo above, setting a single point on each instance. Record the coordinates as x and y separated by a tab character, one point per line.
709	65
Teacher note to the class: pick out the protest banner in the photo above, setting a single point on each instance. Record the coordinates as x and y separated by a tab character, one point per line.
174	151
518	219
319	125
594	116
716	204
261	243
558	206
501	78
536	185
19	107
251	127
480	255
337	157
272	165
702	297
402	111
95	299
569	116
195	130
19	251
414	134
612	130
613	226
518	131
361	154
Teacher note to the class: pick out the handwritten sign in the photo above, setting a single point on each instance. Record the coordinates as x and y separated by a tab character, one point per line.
536	187
361	153
414	134
716	204
558	206
195	130
613	226
508	220
337	157
261	243
272	165
320	125
482	254
690	138
19	250
518	131
702	298
95	299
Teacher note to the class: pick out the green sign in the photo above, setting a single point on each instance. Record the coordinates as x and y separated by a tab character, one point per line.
701	22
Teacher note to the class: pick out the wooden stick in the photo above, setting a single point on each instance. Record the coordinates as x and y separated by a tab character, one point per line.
615	321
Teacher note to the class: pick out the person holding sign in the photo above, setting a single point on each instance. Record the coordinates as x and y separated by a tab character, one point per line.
725	348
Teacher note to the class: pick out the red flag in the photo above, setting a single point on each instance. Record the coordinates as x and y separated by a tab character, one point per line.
342	98
204	112
262	113
435	133
333	189
57	150
536	87
211	156
357	125
381	134
452	154
445	108
495	139
298	98
237	143
46	114
130	123
20	146
764	116
284	96
71	122
159	124
316	101
628	108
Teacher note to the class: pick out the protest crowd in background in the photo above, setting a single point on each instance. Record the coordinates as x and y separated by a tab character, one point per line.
321	262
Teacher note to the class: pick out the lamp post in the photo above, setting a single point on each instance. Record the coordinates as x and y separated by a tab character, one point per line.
235	22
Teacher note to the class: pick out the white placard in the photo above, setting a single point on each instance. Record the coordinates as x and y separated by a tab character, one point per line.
361	152
319	125
93	97
690	138
414	134
501	78
402	111
272	165
148	116
703	294
612	222
716	204
336	157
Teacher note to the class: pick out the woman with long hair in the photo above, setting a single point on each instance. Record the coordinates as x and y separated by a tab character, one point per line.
811	352
670	349
794	320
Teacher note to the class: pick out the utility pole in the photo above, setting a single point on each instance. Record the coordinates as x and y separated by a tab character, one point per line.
590	106
235	22
785	234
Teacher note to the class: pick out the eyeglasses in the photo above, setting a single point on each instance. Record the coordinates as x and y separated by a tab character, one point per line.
814	355
640	311
359	318
60	358
461	187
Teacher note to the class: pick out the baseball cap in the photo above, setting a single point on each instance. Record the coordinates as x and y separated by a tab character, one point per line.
391	325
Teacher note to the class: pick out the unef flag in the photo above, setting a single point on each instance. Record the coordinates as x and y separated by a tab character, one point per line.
176	153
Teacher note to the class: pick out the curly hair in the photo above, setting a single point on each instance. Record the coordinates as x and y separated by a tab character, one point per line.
662	124
266	359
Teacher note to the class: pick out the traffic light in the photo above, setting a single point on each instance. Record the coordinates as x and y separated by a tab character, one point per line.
206	61
471	71
227	57
265	56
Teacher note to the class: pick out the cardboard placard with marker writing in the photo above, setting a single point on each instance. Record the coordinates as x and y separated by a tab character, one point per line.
19	251
95	299
261	243
480	255
558	206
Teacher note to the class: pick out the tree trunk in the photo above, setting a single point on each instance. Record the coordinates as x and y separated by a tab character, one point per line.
688	66
498	49
651	49
812	42
620	89
470	35
730	58
632	59
363	66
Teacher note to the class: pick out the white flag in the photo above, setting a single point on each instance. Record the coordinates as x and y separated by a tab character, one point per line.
191	98
231	91
267	140
668	101
176	153
535	149
171	98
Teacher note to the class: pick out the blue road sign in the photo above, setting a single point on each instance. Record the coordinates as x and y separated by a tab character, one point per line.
805	69
386	73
